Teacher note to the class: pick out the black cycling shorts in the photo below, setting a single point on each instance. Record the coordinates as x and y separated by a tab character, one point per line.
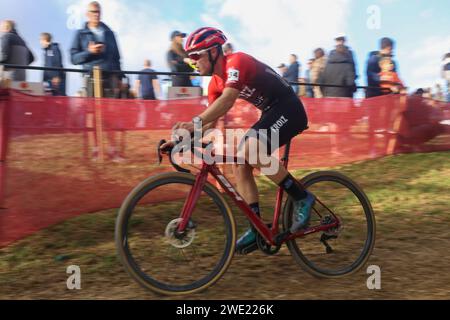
285	118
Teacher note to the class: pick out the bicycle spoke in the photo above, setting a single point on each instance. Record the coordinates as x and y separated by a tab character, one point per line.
178	261
343	248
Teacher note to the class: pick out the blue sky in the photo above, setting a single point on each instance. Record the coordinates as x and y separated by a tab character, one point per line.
268	29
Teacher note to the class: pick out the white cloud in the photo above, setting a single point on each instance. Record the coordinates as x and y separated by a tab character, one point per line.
423	66
273	29
141	30
387	2
427	14
268	29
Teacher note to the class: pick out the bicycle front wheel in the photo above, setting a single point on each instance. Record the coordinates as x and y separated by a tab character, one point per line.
158	258
339	251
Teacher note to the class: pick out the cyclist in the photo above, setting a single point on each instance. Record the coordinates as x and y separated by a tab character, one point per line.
239	75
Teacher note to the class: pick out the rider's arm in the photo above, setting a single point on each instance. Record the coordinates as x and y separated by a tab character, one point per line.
220	106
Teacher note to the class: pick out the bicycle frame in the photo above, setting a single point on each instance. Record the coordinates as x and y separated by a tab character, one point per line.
267	233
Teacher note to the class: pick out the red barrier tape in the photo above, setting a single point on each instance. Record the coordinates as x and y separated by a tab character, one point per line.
53	170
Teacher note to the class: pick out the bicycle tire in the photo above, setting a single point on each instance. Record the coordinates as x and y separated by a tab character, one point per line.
369	244
122	242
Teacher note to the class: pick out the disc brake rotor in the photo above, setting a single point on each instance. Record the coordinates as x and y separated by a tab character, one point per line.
180	242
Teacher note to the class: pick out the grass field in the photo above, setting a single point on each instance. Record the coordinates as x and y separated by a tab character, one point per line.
409	193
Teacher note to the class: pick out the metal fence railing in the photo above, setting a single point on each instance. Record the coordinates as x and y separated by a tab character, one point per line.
11	67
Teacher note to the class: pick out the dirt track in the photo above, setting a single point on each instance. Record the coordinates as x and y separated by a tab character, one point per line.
413	265
413	238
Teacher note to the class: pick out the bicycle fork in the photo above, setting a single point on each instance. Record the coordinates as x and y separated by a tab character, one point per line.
192	199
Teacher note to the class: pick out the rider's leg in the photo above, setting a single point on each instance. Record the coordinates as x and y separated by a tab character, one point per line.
280	123
278	172
245	182
303	200
247	188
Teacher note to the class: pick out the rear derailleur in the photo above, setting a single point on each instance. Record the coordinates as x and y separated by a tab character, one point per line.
330	234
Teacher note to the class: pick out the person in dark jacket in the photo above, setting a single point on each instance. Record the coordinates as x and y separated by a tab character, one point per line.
339	71
96	45
373	67
55	80
178	60
292	73
13	50
340	41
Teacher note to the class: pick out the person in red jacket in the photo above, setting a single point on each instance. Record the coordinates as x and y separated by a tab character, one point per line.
389	79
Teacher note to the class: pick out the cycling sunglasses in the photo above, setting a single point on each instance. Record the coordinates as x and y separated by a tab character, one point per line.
197	55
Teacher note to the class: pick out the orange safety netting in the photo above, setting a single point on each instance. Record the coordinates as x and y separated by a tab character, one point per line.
53	165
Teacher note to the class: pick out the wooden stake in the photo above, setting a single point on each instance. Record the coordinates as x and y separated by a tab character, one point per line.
393	141
98	93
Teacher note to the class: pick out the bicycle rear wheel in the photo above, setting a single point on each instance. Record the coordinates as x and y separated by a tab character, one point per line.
164	262
346	248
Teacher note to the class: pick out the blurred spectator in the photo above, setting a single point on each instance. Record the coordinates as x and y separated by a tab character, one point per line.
446	73
179	61
292	72
427	93
373	67
309	89
389	79
282	69
13	50
148	84
439	95
419	92
228	49
318	66
340	41
55	80
96	45
125	89
339	71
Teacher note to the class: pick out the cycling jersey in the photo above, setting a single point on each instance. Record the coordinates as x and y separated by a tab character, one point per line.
283	113
258	83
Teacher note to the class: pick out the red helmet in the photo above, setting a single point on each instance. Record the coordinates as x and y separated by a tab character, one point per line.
204	38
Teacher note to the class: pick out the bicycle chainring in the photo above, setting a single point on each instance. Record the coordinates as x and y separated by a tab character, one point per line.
265	247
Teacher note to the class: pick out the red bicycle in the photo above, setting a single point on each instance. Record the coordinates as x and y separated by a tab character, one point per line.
176	233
